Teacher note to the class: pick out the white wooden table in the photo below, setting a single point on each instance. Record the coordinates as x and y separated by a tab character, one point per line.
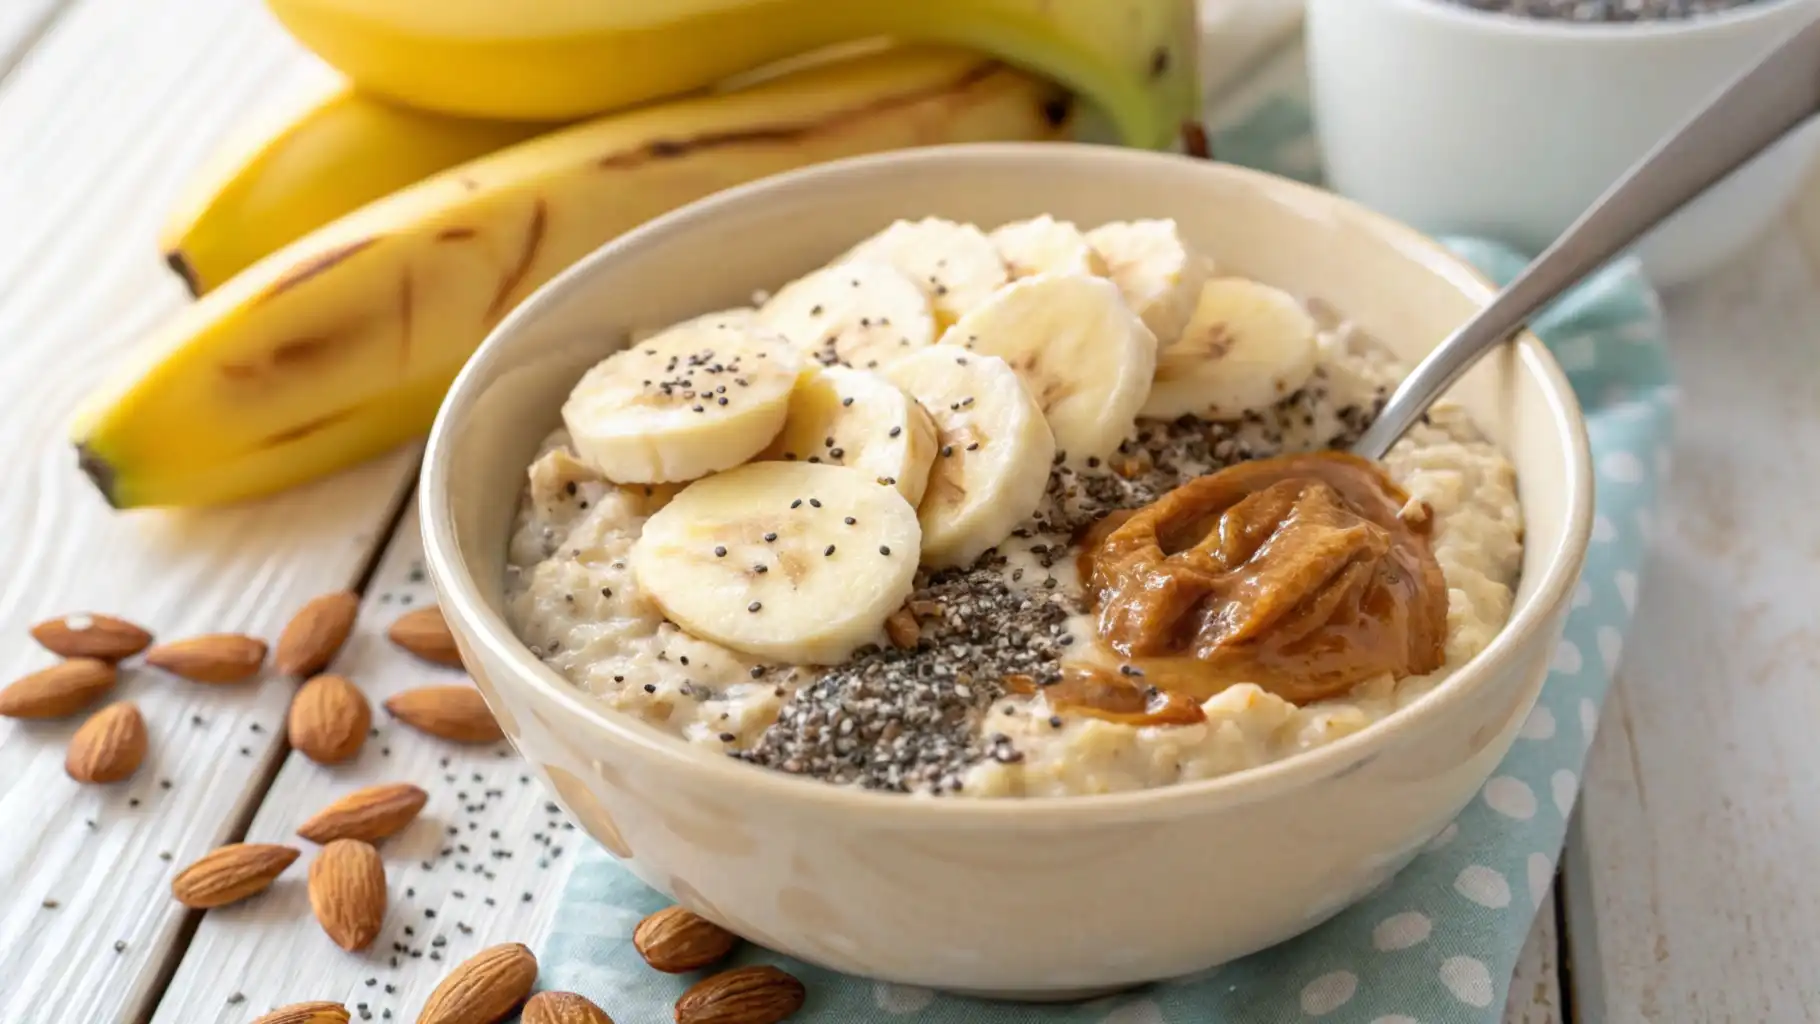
1686	890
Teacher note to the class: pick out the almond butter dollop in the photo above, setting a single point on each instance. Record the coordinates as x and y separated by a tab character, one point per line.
1305	574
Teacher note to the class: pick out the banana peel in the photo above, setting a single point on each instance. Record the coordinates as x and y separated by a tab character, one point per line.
284	179
552	59
341	345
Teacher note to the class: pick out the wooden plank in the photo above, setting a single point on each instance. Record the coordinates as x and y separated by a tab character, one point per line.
1698	830
1535	988
479	867
117	103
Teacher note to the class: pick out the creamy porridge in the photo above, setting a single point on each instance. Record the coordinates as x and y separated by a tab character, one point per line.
888	528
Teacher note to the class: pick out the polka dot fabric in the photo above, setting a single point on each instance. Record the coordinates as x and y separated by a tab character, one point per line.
1439	942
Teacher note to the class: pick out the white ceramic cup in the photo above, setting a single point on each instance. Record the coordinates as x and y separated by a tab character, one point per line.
1458	120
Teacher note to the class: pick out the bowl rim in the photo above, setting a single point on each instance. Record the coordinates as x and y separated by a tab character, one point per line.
1738	20
461	595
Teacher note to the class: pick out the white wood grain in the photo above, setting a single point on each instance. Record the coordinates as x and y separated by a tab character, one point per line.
447	864
21	23
115	104
1535	987
1699	832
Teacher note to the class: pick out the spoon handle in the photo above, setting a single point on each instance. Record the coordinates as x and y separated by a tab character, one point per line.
1746	117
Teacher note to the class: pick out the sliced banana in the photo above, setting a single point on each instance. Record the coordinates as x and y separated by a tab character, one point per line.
785	561
955	264
1247	347
1159	273
1083	354
845	417
862	313
702	396
995	451
1044	245
738	317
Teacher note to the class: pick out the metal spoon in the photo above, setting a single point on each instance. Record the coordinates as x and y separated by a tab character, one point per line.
1746	117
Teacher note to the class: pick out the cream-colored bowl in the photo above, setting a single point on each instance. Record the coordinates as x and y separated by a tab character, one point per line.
1028	898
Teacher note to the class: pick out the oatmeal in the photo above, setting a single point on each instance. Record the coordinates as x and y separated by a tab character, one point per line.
781	616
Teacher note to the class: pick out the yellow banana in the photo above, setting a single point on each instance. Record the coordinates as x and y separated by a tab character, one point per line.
342	344
338	152
560	59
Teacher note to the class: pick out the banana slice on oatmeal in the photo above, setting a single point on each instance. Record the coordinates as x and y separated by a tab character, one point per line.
846	417
993	457
700	397
1082	353
786	561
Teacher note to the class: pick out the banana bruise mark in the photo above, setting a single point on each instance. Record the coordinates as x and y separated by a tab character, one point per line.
313	266
670	149
303	430
455	234
406	309
534	233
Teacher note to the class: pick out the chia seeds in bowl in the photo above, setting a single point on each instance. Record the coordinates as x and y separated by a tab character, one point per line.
957	701
1607	11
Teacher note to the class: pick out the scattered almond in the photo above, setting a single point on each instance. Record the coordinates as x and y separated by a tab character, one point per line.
744	995
314	635
109	746
329	720
347	892
369	814
484	988
88	635
563	1008
675	940
307	1013
58	691
901	627
456	713
425	633
215	658
231	873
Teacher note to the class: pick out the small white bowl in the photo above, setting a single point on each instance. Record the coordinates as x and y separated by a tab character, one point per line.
1038	897
1458	120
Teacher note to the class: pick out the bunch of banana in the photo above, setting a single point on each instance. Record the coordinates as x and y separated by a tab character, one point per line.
349	262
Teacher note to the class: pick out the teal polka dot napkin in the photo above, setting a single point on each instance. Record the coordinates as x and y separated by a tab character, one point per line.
1439	942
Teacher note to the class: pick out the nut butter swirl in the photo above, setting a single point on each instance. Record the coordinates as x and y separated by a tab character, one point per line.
1305	574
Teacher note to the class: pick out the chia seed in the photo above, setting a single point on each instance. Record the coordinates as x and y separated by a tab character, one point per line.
1592	11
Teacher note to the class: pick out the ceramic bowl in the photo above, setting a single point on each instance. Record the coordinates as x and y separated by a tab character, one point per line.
1459	120
1017	898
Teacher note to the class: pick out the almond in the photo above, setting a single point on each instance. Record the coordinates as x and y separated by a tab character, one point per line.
88	635
563	1008
230	873
744	995
60	690
329	720
425	633
675	941
109	746
484	988
314	635
307	1013
456	713
369	814
347	892
216	658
